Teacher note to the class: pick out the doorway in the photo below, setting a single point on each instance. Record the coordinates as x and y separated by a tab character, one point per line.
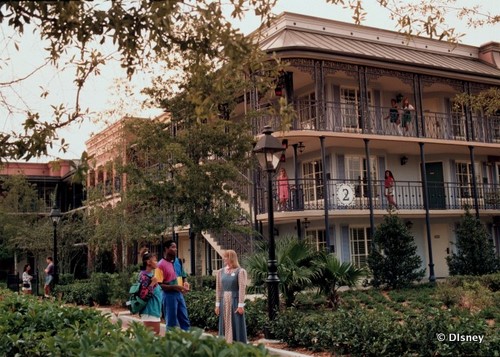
435	185
440	249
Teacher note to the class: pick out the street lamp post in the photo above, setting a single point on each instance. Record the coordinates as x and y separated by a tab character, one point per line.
268	151
55	216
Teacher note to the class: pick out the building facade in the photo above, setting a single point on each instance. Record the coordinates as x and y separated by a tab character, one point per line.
55	185
350	87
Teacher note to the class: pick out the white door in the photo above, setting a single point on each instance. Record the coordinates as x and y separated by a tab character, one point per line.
440	238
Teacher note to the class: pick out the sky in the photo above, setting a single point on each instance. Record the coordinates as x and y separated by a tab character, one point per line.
104	100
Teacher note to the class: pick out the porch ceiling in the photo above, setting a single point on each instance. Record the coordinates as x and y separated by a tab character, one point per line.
293	39
387	144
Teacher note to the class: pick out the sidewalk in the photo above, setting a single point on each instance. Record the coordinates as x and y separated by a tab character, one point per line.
127	318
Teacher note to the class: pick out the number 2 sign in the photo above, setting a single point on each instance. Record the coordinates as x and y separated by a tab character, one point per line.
345	194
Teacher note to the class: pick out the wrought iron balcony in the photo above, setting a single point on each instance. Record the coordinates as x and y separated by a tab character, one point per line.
348	118
309	195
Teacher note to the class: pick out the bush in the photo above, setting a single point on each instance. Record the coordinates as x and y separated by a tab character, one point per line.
201	305
81	292
475	252
394	262
32	327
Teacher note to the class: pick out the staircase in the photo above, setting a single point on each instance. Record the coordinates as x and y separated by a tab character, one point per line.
241	243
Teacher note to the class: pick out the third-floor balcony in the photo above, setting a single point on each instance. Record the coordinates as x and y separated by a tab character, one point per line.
348	118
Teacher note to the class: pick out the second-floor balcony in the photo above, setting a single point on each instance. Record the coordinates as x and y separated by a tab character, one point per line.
309	194
349	118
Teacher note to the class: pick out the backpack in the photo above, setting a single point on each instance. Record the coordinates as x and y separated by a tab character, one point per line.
135	303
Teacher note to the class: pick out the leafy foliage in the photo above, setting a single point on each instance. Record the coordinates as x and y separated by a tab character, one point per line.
475	253
394	261
296	270
332	274
30	327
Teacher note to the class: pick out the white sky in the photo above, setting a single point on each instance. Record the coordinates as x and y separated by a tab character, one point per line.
100	96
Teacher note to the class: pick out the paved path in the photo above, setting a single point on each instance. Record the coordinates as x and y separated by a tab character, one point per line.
127	318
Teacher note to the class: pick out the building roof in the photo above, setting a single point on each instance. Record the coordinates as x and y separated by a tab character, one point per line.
299	32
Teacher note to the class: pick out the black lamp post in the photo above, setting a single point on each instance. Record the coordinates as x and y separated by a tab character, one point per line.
268	151
55	216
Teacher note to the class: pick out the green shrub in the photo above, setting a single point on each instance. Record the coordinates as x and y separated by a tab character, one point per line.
475	253
32	327
81	292
201	305
256	316
449	294
65	279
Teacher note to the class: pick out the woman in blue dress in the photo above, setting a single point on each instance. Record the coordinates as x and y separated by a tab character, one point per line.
230	299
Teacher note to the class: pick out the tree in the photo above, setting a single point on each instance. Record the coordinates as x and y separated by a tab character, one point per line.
296	270
84	36
141	32
475	252
332	274
393	260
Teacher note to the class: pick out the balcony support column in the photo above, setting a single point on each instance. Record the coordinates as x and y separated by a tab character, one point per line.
363	99
319	83
296	198
369	181
425	189
469	131
325	195
419	115
474	181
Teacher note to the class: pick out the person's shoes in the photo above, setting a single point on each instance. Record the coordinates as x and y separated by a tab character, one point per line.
46	296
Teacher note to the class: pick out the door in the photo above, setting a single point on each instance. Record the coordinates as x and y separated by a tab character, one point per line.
435	185
440	240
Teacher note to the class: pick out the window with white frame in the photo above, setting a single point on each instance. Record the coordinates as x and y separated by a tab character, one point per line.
463	172
316	239
457	121
360	243
216	260
350	101
312	173
356	172
307	111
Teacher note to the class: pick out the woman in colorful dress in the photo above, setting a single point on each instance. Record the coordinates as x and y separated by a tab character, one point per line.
230	297
151	292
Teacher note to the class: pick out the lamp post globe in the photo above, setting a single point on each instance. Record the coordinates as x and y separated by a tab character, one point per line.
55	216
268	151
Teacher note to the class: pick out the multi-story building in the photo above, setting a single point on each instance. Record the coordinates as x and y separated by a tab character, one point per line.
341	79
111	149
55	185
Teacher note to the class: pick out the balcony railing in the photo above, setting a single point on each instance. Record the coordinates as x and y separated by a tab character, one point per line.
309	195
347	118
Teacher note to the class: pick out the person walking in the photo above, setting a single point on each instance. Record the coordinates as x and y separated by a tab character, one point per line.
27	277
389	189
151	292
49	277
173	286
231	284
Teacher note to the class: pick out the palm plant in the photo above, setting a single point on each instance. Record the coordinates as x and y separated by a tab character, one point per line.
295	266
331	274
